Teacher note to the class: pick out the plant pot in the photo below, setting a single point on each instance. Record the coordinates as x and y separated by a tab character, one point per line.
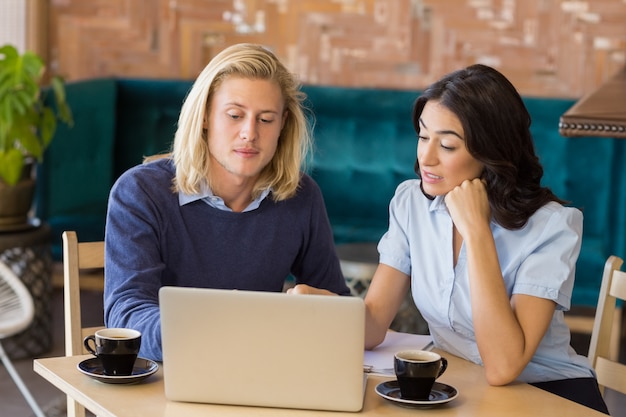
16	201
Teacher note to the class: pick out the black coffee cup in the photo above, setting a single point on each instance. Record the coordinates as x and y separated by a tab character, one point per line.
416	371
117	349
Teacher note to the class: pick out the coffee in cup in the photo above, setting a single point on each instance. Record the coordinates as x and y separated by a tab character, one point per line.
416	371
117	349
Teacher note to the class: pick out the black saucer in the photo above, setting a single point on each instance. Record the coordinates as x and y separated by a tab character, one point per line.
143	368
440	394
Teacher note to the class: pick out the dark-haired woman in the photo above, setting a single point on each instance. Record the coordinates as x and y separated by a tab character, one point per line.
489	254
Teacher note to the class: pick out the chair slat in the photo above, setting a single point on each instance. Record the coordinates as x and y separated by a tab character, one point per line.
611	374
618	285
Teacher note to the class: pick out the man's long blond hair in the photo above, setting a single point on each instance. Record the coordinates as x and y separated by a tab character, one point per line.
191	149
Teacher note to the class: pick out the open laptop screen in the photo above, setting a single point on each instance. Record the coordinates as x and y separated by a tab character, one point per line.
263	349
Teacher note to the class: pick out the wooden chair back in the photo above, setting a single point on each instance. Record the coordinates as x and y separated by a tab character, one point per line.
78	259
607	323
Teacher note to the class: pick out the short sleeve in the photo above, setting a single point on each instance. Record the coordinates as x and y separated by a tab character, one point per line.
549	267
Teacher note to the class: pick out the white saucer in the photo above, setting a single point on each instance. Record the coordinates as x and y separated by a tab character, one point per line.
143	368
440	394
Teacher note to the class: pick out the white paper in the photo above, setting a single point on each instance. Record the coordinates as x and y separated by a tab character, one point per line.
381	357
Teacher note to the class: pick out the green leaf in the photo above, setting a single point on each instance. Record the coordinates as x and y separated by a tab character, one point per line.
5	83
47	127
11	164
26	136
65	114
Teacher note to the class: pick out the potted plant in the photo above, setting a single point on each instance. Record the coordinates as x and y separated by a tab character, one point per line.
27	125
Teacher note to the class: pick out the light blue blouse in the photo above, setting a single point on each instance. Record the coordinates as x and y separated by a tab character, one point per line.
538	259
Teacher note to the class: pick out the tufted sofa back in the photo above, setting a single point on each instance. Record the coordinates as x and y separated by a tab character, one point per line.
365	146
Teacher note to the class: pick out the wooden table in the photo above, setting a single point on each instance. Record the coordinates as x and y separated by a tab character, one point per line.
476	397
601	113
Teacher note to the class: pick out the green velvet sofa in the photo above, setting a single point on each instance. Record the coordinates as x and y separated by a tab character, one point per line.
364	147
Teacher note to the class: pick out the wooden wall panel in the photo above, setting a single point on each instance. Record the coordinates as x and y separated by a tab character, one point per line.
546	47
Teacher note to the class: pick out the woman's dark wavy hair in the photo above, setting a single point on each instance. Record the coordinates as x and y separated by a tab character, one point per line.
496	126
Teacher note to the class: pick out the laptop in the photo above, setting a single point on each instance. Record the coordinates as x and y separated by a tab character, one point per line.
263	349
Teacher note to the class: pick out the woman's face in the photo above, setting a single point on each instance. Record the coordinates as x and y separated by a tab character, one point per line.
443	157
245	120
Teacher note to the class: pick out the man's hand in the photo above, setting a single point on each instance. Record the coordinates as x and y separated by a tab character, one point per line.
307	289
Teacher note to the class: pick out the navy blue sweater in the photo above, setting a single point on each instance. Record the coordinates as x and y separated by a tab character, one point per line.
152	241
